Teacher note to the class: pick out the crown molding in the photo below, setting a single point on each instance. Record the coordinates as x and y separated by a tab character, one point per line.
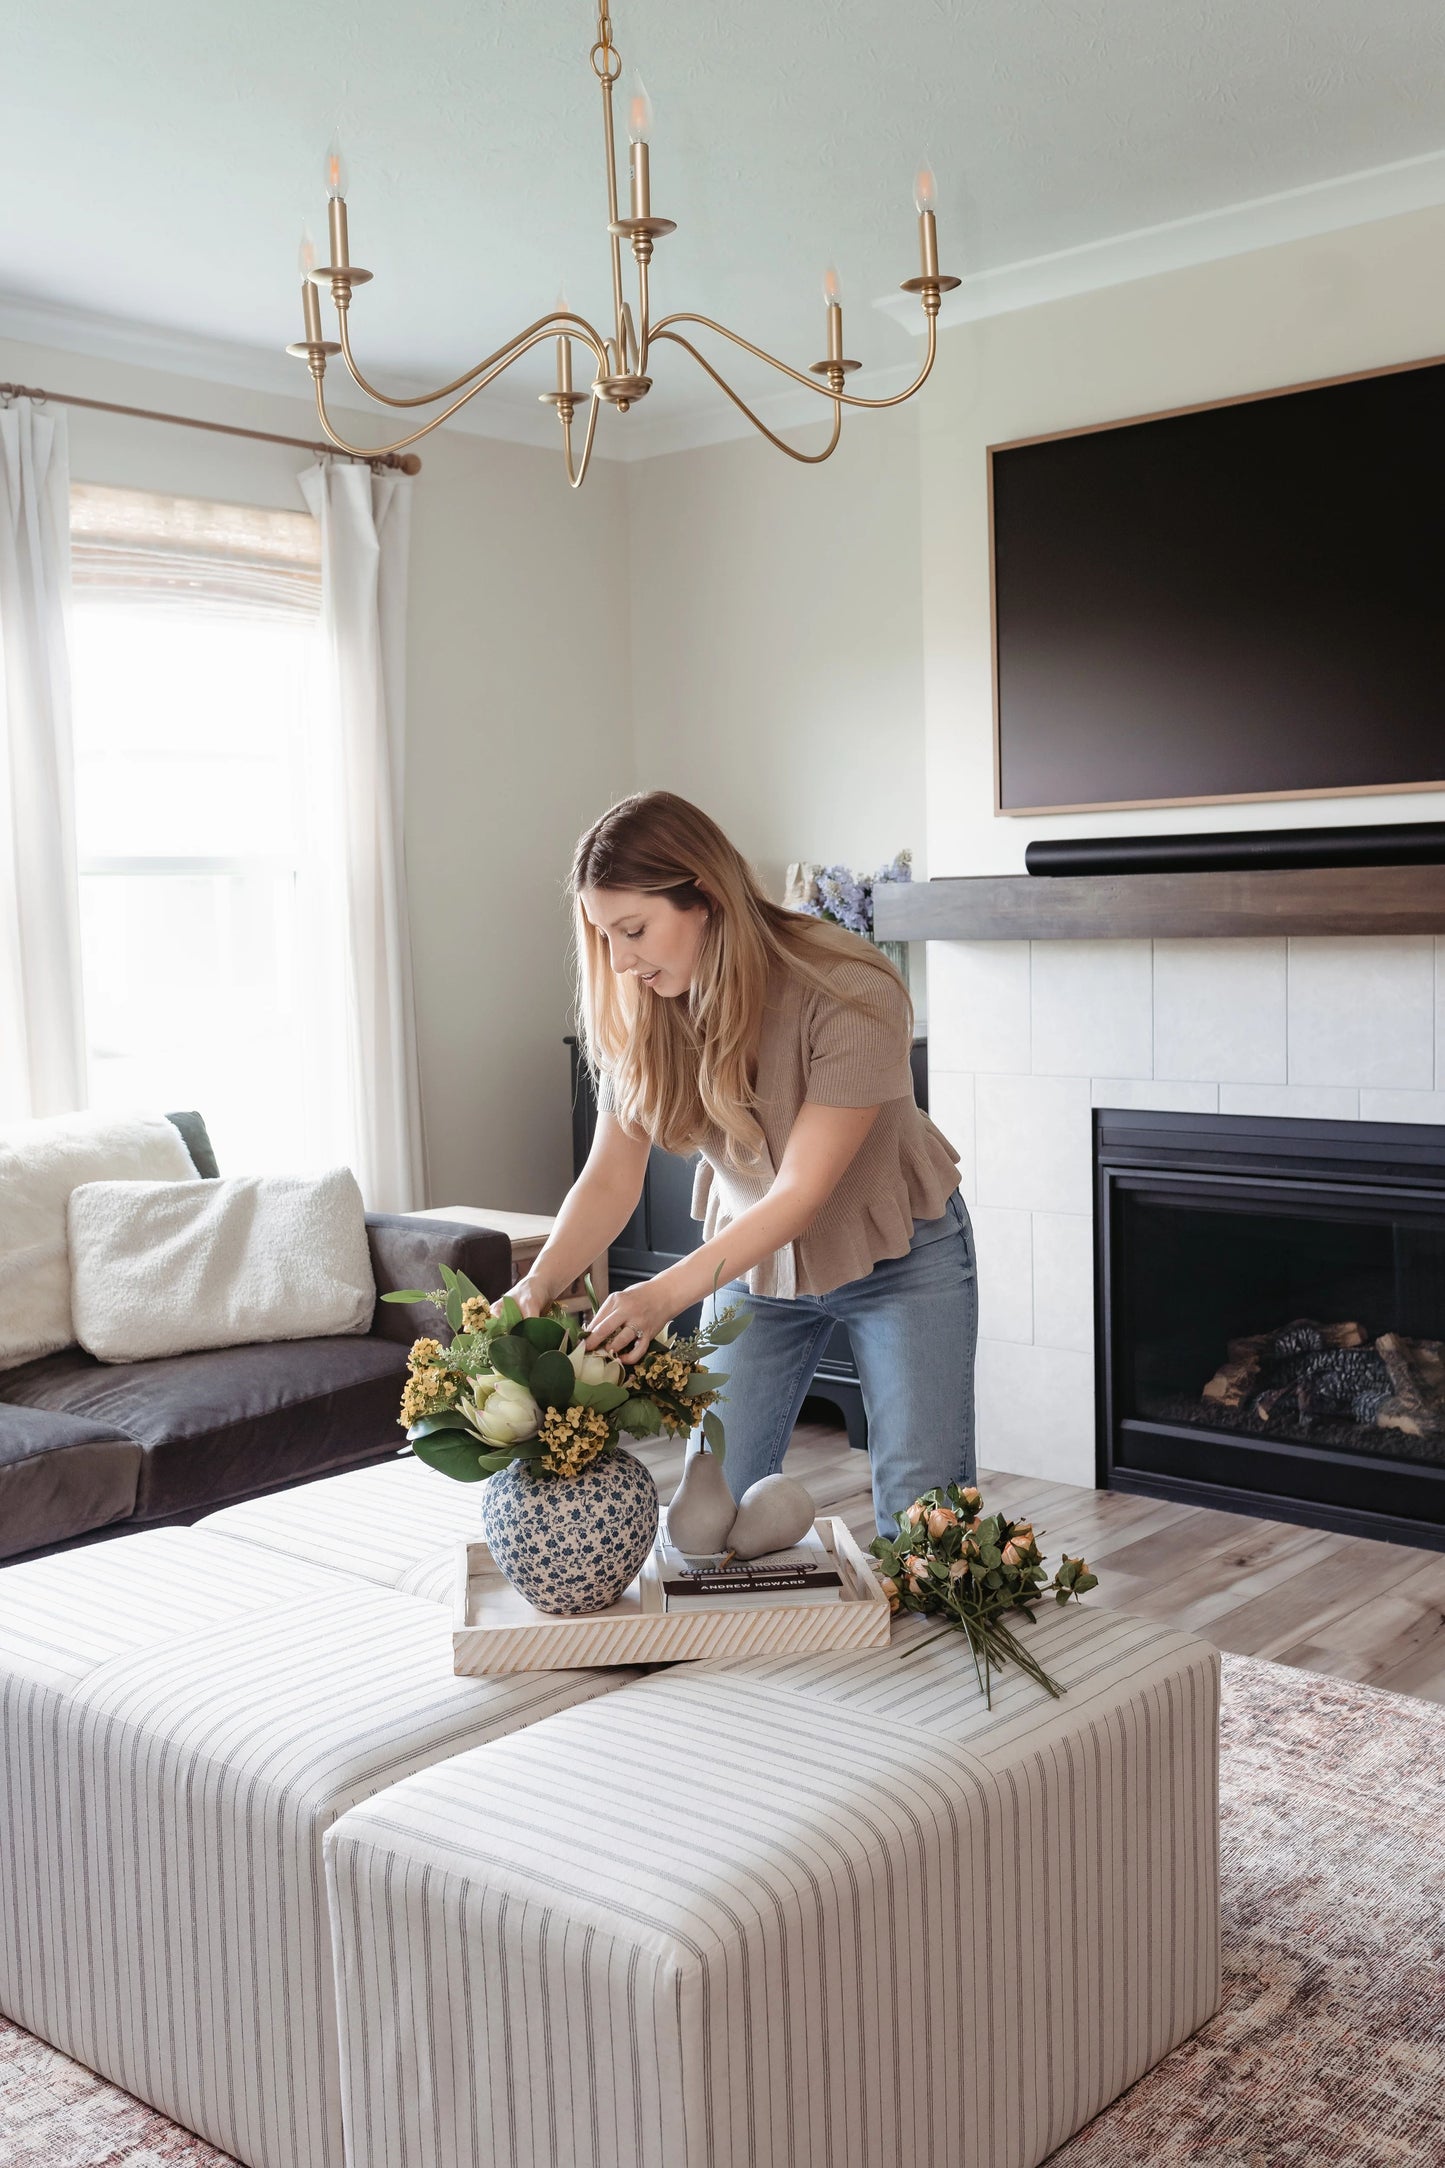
1296	214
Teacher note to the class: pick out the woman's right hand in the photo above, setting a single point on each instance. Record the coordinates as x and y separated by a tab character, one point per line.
531	1295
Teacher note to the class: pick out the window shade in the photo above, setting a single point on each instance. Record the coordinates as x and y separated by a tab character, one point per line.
185	552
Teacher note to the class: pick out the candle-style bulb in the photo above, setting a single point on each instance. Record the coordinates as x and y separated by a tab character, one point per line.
335	170
306	254
639	113
925	190
832	288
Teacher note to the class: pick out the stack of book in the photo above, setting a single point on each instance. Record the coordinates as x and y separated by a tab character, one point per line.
805	1574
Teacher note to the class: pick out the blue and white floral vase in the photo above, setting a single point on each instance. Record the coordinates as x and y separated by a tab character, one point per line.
571	1544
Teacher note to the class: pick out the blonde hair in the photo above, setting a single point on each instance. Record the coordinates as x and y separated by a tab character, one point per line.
679	1066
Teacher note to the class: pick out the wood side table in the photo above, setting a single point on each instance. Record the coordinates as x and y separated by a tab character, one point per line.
527	1232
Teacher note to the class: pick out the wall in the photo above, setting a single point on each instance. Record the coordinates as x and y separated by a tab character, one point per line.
518	734
1345	301
1026	1038
776	642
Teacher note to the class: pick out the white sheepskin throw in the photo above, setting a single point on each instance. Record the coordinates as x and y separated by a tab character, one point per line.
163	1268
40	1164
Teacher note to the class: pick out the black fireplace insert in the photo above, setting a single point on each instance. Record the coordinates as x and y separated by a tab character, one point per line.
1271	1317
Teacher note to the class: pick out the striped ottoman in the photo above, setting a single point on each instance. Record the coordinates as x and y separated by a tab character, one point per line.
396	1523
182	1717
800	1913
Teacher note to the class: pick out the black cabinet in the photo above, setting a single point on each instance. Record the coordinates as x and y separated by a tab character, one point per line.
662	1230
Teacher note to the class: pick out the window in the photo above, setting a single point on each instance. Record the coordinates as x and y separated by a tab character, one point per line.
209	882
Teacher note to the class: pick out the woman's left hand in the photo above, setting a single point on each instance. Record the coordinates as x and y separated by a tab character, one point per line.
629	1321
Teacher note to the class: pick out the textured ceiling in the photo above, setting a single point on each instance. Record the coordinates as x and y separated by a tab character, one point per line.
159	158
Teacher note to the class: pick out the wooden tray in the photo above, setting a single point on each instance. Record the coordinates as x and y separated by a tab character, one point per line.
496	1630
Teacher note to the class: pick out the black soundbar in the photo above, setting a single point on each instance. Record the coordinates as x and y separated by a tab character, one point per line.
1398	843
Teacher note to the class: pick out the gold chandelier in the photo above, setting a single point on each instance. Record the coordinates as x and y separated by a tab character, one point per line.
621	360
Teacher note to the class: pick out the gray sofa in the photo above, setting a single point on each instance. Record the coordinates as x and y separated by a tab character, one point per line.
86	1447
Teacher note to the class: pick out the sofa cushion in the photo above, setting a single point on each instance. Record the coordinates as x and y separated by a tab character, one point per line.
197	1140
59	1476
170	1268
230	1421
41	1162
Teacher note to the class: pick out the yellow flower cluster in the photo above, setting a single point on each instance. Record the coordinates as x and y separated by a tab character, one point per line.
662	1371
572	1438
475	1312
430	1387
426	1392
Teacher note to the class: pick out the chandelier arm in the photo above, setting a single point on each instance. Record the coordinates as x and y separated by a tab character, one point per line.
805	459
579	477
809	383
510	351
379	451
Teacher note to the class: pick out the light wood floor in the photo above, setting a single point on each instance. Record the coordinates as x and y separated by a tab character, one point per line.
1374	1612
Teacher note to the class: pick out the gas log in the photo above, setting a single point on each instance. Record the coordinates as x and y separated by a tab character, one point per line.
1305	1372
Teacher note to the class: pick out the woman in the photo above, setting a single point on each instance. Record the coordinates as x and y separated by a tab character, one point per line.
777	1046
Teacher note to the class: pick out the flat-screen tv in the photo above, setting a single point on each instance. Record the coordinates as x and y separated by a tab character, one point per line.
1244	600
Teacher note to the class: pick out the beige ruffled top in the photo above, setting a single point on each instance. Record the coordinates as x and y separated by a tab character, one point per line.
815	1047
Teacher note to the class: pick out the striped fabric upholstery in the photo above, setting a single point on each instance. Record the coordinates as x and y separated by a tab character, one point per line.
395	1523
169	1767
759	1918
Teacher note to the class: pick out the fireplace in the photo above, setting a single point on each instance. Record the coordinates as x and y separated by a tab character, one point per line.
1271	1317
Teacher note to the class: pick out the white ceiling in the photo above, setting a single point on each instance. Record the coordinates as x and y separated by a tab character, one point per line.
158	159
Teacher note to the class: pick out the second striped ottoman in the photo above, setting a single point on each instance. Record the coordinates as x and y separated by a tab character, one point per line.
802	1913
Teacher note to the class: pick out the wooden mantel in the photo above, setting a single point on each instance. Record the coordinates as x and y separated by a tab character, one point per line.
1140	906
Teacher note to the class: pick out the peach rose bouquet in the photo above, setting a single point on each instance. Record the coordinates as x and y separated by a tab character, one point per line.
950	1561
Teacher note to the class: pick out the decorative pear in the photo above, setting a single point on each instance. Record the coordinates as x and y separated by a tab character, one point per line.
702	1509
773	1513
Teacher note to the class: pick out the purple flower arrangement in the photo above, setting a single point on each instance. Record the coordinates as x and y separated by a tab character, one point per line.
845	897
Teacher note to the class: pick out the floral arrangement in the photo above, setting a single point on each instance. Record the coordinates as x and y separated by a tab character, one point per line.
950	1561
845	897
508	1387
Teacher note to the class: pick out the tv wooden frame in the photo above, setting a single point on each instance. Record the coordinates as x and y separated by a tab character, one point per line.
1129	421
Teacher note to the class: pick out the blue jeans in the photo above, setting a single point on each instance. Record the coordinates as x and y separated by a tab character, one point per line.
913	1325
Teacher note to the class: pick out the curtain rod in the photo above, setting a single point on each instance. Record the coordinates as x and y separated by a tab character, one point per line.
403	462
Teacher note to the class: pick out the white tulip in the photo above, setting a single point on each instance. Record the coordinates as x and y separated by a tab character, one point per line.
591	1368
508	1414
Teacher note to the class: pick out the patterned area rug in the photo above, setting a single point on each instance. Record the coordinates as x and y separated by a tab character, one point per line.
1329	2051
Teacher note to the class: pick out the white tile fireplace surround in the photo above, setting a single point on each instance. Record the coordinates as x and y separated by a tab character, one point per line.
1026	1037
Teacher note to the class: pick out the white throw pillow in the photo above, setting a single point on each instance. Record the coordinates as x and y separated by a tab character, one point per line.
164	1268
40	1164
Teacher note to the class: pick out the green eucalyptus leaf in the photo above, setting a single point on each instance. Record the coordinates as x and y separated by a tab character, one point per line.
544	1333
469	1289
445	1419
552	1380
727	1330
513	1357
605	1397
408	1294
448	1277
451	1455
642	1419
712	1431
701	1381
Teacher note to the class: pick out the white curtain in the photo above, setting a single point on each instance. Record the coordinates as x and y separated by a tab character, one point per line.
365	521
42	1028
